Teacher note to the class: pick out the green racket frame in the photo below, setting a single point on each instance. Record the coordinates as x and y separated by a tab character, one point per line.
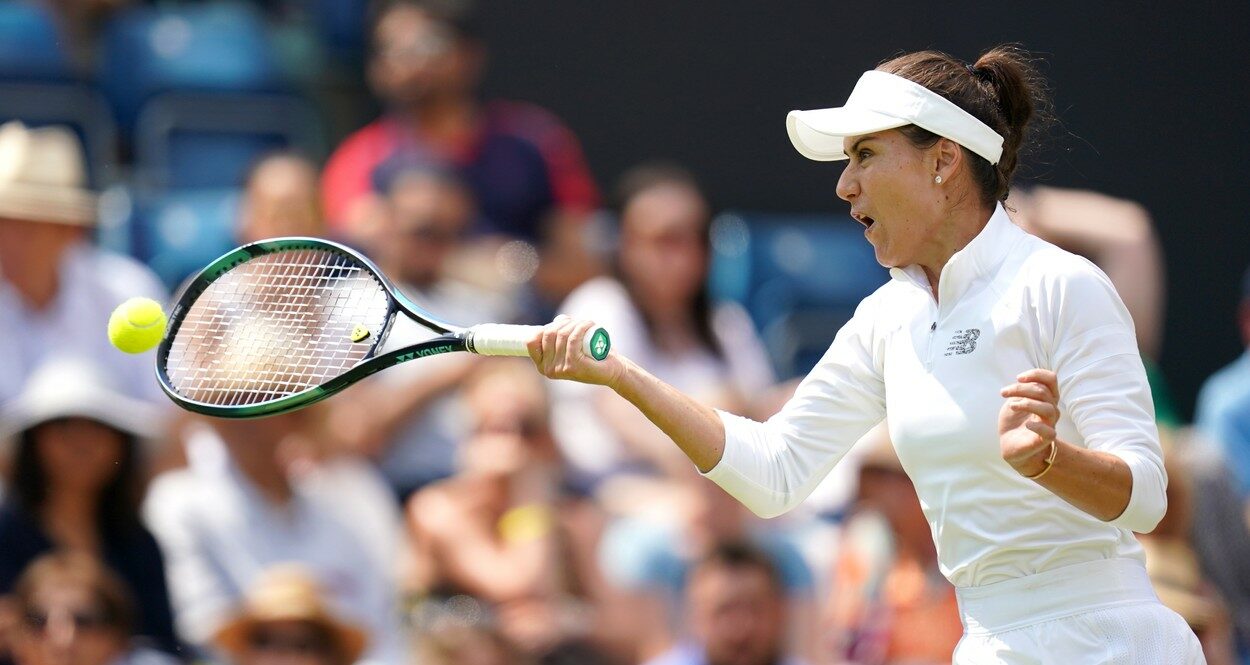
448	339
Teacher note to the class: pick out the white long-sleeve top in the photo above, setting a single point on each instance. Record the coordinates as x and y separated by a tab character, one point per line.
1008	302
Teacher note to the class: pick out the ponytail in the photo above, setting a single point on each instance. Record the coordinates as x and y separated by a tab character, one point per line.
1002	88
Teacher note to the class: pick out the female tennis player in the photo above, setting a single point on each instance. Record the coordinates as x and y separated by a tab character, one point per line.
1006	369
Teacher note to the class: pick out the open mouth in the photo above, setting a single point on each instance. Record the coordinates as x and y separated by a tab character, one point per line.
864	219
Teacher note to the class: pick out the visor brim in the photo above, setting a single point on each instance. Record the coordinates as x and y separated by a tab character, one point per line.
818	134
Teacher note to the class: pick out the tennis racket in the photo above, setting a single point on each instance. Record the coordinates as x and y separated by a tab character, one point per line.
279	324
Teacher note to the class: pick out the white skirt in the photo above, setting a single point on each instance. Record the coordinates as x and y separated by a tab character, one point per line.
1095	613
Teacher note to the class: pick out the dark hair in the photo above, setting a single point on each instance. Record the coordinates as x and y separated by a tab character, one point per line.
1003	89
108	590
648	176
739	556
459	15
118	503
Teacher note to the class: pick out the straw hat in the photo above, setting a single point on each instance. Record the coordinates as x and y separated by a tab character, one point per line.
289	593
43	176
77	387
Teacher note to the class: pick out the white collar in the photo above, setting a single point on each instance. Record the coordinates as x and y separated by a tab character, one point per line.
981	257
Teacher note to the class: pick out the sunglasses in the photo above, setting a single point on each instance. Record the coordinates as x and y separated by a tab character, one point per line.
37	621
304	643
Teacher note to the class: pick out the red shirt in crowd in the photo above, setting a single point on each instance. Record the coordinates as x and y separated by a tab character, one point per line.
522	164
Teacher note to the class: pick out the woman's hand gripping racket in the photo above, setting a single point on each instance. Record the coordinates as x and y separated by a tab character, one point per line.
279	324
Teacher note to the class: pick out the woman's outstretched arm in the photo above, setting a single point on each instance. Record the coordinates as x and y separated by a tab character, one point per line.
770	466
695	428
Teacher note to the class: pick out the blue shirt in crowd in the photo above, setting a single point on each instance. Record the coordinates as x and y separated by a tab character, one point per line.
1223	416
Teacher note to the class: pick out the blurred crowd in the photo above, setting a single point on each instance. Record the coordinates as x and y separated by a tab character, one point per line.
462	510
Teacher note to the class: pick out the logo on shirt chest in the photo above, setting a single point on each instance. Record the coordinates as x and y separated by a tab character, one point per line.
964	342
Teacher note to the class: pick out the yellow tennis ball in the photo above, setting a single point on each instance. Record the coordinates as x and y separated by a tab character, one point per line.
137	325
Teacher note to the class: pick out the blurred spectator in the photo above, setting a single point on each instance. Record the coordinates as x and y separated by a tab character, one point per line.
1219	532
890	602
285	620
658	310
1119	237
75	483
237	510
648	557
72	610
425	68
280	198
1223	410
737	612
504	511
409	418
56	289
1175	572
1219	464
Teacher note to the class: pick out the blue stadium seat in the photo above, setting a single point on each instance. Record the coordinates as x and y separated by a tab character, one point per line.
30	48
206	47
193	140
178	233
799	276
39	87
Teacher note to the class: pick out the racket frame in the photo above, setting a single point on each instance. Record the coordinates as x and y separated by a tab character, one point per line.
448	338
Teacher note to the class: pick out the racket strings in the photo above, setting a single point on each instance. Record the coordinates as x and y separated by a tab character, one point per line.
275	326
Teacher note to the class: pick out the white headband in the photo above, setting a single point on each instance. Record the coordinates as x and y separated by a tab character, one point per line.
885	101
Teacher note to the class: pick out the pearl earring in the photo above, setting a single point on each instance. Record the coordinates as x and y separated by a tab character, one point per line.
937	179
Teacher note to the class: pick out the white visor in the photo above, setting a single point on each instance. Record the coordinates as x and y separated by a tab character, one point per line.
883	101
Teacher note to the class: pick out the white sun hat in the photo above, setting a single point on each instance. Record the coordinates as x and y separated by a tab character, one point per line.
43	176
883	101
77	387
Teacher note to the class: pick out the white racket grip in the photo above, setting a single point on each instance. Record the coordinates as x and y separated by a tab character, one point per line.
503	339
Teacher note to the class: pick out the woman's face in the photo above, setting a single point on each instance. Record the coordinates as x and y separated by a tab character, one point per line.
889	184
78	454
281	200
510	424
663	254
427	218
65	626
418	58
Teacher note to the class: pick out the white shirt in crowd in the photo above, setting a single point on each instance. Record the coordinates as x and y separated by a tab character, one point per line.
92	282
1008	302
585	440
218	533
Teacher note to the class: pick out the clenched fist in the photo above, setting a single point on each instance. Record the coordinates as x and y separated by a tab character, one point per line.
1026	423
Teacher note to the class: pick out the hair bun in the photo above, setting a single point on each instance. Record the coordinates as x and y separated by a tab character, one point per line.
1005	91
1011	72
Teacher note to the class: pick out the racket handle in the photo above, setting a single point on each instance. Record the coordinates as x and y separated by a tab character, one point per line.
502	339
